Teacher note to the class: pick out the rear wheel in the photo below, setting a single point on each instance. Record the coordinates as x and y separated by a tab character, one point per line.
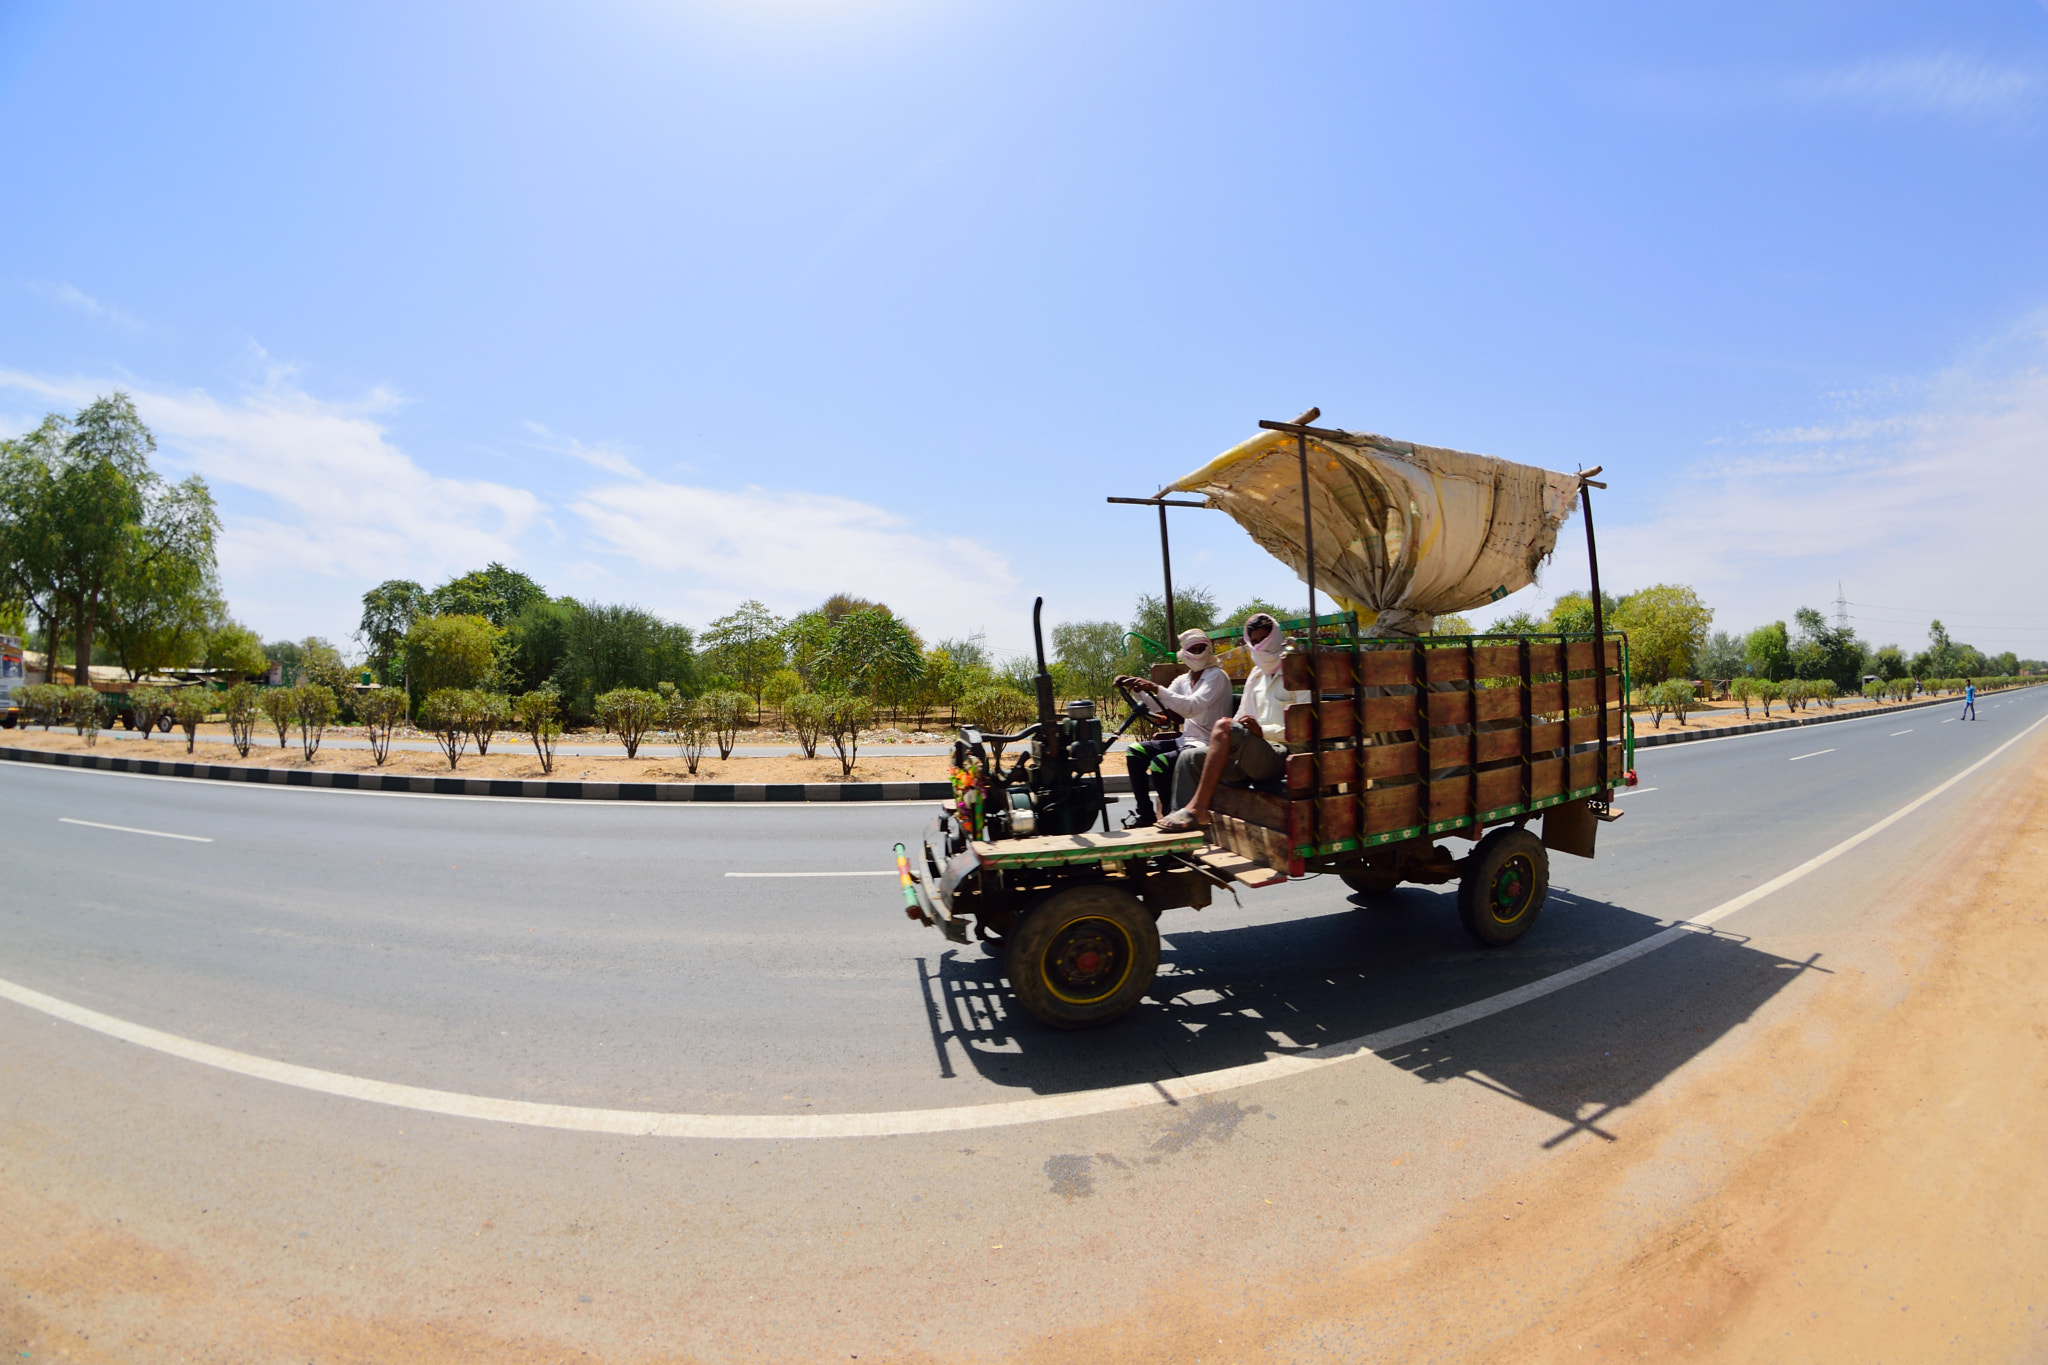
164	724
1083	957
1371	881
1506	881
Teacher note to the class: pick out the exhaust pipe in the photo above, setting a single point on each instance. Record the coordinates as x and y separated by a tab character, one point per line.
1048	720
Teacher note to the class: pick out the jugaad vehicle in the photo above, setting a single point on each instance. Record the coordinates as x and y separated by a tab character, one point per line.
1406	736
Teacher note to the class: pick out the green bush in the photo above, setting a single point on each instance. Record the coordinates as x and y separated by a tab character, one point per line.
629	713
189	707
1768	692
488	713
148	706
725	711
314	707
380	710
539	713
782	684
1674	695
689	720
278	704
238	706
42	703
998	710
445	716
85	710
1744	690
845	718
804	714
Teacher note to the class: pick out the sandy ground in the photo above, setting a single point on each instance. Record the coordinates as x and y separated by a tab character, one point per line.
512	756
1718	714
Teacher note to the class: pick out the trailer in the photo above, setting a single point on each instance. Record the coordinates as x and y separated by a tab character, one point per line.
1404	740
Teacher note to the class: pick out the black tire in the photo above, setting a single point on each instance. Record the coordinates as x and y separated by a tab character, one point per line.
164	724
1370	881
1083	957
126	720
1506	881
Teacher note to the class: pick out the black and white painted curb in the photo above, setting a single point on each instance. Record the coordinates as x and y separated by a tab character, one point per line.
509	787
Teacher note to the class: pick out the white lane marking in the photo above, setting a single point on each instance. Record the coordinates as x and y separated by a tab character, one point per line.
1815	754
890	873
129	829
963	1118
1950	721
1636	791
1896	733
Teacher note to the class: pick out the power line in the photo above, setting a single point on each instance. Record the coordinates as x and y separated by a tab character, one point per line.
1919	611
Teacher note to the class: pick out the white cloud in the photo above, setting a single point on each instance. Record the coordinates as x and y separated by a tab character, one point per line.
610	458
1933	511
71	296
339	506
1944	84
793	549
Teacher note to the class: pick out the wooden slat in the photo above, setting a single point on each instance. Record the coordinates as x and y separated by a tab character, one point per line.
1450	708
1500	787
1240	868
1337	817
1391	808
1546	778
1268	846
1497	661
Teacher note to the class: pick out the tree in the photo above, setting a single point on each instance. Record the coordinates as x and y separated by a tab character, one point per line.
190	707
805	638
1453	624
380	709
1768	652
691	725
448	653
780	687
1720	658
493	592
445	715
841	605
804	713
723	712
1888	663
278	706
609	647
1249	610
148	705
1667	627
284	656
1572	614
488	713
389	610
1093	654
313	705
535	643
845	718
1519	623
747	645
629	713
1820	651
997	710
874	655
239	708
539	713
321	665
164	593
235	650
1194	608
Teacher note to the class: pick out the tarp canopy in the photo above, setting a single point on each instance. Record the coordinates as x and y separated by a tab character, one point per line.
1404	533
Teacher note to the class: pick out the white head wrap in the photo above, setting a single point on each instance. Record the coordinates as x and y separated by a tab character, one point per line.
1266	653
1197	660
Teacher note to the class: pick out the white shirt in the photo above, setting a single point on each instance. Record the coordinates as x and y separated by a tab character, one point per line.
1203	698
1266	701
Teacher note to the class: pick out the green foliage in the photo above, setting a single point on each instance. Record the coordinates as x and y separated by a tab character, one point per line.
841	605
1768	691
724	711
238	707
1744	690
610	647
445	715
845	718
629	713
190	707
1252	608
1453	624
539	714
380	710
449	653
1518	623
284	655
493	592
1768	652
321	665
235	650
163	594
488	713
1720	657
804	714
1667	628
389	610
748	644
85	710
148	705
1194	608
278	706
998	710
43	704
873	655
1573	613
1820	651
535	643
805	638
1092	653
1888	663
314	707
782	684
1674	695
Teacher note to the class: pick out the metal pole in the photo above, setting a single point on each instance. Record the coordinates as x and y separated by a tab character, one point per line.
1599	630
1308	534
1166	570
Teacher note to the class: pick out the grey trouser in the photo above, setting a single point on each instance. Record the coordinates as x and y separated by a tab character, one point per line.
1252	759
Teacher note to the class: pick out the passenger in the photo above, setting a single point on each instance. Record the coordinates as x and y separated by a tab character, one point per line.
1196	700
1248	747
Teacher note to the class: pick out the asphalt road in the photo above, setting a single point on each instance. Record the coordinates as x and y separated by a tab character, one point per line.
603	955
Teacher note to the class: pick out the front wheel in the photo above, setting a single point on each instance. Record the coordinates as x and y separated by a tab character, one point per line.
1083	957
1506	881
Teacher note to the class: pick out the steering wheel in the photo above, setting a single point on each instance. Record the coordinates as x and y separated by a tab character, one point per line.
1138	709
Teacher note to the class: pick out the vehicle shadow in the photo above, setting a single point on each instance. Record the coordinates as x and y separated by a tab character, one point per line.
1235	996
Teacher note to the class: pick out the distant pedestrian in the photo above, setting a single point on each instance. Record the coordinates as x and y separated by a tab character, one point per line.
1969	701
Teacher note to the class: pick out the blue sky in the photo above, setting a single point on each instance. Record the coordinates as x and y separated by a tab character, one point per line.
678	304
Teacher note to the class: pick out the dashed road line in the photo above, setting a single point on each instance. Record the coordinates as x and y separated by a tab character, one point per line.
1815	754
889	873
129	829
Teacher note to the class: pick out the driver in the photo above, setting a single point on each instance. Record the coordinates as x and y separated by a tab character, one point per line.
1197	699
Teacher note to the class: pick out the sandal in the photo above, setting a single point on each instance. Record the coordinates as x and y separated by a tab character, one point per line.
1180	822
